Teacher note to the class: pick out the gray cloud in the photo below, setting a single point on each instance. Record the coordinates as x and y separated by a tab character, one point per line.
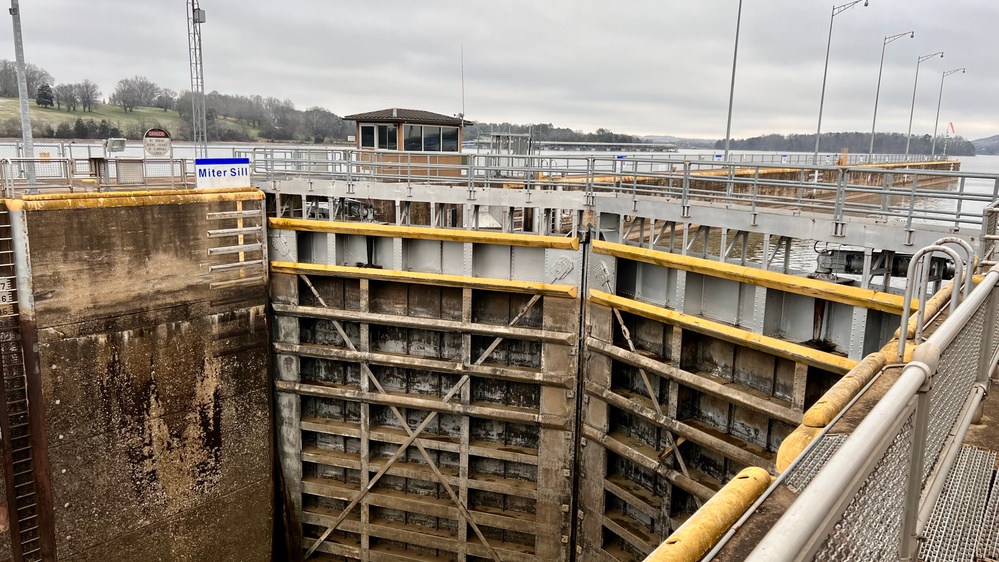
638	66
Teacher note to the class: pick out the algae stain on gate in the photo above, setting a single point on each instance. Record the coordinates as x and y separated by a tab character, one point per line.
172	457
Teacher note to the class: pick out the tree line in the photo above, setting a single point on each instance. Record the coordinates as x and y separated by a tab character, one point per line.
229	117
857	143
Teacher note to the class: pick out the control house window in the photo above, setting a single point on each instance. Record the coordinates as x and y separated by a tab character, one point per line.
449	142
431	139
388	137
415	138
367	136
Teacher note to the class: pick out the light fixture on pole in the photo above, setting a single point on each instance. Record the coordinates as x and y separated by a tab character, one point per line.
936	123
22	94
822	97
877	93
731	92
908	135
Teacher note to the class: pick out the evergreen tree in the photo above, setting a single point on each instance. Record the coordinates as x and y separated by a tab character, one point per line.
45	97
80	129
64	131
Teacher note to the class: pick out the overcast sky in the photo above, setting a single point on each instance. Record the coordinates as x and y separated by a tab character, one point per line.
641	67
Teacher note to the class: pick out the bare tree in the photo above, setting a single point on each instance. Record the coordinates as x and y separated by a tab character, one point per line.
88	94
133	92
166	99
146	91
34	76
66	96
125	95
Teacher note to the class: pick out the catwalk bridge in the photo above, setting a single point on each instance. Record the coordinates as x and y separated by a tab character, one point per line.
499	357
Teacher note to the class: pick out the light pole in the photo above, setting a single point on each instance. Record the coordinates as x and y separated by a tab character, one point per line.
877	93
22	94
933	145
731	92
908	135
822	98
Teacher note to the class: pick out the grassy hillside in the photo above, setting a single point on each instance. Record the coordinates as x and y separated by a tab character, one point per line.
131	124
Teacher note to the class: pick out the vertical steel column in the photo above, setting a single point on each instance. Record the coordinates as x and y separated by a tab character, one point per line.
364	346
282	245
465	429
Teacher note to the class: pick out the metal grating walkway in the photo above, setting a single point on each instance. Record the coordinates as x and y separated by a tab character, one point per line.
988	542
958	522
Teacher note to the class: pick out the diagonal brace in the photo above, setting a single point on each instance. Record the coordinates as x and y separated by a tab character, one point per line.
412	439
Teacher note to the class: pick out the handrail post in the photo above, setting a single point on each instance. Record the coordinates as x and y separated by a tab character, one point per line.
960	201
685	196
8	180
471	174
589	181
909	543
839	224
756	191
350	182
912	203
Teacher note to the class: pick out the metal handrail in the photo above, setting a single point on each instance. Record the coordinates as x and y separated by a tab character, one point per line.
918	273
797	534
850	191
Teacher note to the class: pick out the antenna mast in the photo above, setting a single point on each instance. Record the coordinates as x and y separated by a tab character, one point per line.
199	122
462	55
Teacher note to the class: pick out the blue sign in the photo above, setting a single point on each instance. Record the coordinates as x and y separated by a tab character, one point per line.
222	172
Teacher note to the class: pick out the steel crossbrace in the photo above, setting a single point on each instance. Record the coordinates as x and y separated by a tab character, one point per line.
412	434
652	396
655	401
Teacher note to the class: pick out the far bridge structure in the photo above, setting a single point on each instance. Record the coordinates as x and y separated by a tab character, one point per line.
460	357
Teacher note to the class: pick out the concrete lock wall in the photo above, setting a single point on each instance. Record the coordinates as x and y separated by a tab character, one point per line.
528	393
152	354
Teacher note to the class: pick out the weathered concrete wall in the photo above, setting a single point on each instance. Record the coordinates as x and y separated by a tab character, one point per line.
154	380
5	547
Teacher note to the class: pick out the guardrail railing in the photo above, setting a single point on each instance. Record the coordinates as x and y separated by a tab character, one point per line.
92	174
898	194
872	498
80	149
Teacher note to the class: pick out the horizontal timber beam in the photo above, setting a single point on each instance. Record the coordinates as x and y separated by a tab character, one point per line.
640	407
424	505
626	533
421	323
396	436
514	374
428	403
415	535
421	278
635	455
844	294
426	233
769	407
774	346
420	471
